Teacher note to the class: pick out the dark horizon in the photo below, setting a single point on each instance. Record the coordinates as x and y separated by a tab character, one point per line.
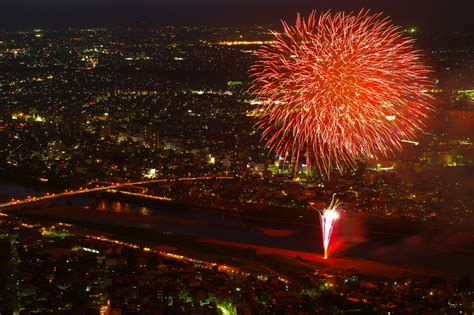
54	14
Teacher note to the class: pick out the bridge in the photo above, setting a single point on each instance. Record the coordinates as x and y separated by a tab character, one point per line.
68	193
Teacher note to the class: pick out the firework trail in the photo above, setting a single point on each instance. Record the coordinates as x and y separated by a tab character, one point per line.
328	217
339	88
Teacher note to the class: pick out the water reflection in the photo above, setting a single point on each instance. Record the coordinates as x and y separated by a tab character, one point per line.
145	211
101	206
119	207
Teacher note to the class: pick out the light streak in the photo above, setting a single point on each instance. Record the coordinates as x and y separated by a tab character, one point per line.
226	308
197	262
145	196
410	142
245	42
109	186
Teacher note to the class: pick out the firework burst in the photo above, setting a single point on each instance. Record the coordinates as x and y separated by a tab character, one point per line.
339	88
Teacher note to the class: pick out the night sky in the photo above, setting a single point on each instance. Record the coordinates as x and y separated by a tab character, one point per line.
454	15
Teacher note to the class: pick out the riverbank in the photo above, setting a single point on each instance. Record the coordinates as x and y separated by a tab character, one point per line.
333	265
243	255
411	245
245	259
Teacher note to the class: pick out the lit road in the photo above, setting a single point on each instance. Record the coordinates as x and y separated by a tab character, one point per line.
68	193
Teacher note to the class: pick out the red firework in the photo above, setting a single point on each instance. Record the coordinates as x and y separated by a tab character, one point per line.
338	88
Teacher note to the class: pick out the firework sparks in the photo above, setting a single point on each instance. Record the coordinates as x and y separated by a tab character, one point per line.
328	217
339	88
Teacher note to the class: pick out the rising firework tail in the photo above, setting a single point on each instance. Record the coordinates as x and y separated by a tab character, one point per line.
338	88
328	217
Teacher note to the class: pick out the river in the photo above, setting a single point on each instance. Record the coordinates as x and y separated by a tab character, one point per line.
443	248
